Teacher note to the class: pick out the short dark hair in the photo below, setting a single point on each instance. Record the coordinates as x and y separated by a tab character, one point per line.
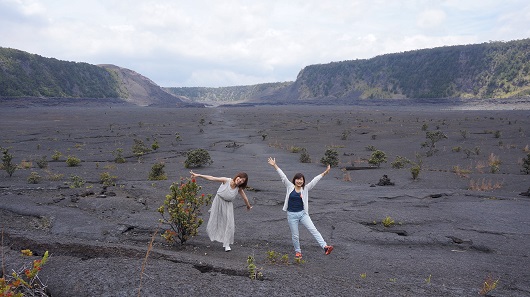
242	175
298	176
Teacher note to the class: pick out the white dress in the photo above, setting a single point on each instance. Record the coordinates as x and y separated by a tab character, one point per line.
221	224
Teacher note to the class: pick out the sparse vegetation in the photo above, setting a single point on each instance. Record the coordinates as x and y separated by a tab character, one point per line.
331	157
400	162
139	148
34	178
433	138
118	156
415	170
197	158
181	211
157	172
489	285
387	222
107	179
484	185
494	162
304	157
7	162
72	161
42	162
76	182
377	158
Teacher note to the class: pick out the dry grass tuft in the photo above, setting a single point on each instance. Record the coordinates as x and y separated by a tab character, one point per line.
484	185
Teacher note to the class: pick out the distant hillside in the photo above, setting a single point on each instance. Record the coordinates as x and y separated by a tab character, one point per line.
25	75
488	70
479	71
229	95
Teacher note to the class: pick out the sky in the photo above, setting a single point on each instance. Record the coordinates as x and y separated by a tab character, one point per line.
208	43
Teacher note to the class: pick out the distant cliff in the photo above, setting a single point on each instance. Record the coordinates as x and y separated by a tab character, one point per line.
478	71
230	95
488	70
30	76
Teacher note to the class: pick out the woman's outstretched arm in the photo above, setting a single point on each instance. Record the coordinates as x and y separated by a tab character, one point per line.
207	177
326	171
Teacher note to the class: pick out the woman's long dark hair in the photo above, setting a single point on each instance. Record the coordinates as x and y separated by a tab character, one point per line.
242	175
297	176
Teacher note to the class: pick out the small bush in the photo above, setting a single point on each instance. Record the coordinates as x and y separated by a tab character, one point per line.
34	178
331	158
107	179
387	222
296	149
304	157
76	182
42	162
197	158
139	148
182	211
56	156
25	281
155	145
118	156
400	162
377	158
157	172
7	162
494	162
415	170
72	161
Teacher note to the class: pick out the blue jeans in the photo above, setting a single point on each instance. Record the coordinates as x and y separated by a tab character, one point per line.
301	217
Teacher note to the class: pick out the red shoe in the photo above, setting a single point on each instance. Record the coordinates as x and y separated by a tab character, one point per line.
298	255
328	249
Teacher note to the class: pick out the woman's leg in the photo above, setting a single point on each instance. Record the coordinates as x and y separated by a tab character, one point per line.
293	218
308	223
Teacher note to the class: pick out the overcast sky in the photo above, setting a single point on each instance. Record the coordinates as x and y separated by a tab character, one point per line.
211	43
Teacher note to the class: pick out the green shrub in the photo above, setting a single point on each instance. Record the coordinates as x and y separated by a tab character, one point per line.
331	158
118	156
72	161
415	170
157	172
377	158
7	162
387	222
182	211
107	179
139	148
197	158
304	157
433	138
155	145
34	178
25	281
400	162
56	156
76	182
526	164
42	162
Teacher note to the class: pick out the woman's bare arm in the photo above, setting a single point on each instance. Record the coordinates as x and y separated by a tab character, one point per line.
207	177
242	193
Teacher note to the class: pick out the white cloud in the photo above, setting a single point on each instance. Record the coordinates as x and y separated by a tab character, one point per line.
216	43
431	18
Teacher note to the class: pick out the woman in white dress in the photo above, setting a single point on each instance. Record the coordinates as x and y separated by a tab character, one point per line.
221	225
